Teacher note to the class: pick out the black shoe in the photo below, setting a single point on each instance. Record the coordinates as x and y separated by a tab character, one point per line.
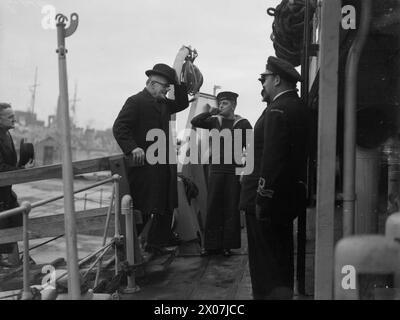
160	250
175	240
227	252
209	252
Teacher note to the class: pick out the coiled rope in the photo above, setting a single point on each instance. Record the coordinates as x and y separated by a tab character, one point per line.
288	29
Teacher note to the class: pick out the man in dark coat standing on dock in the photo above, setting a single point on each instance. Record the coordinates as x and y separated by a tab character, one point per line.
222	227
8	199
153	186
274	193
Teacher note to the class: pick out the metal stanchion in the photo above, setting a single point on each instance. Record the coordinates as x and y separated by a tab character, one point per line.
116	217
26	293
127	210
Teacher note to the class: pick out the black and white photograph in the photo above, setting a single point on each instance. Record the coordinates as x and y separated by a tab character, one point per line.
199	154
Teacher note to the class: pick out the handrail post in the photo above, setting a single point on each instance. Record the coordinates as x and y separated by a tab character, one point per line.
127	210
26	293
117	212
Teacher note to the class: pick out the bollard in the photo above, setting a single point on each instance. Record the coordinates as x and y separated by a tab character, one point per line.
127	210
26	293
367	268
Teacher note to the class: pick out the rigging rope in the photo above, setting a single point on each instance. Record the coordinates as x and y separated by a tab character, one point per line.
288	29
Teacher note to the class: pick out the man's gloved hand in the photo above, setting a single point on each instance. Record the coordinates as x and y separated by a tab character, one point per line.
30	164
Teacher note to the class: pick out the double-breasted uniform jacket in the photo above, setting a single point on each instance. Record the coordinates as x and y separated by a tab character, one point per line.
8	162
153	187
280	160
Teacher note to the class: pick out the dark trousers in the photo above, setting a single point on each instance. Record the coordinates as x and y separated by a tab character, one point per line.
222	230
160	232
270	249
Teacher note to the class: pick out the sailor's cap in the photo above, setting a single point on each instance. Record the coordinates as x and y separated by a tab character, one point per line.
227	95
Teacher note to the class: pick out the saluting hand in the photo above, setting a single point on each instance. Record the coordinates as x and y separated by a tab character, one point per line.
214	111
138	156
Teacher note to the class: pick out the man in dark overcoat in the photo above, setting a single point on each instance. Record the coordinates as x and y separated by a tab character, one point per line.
8	162
153	186
222	228
274	193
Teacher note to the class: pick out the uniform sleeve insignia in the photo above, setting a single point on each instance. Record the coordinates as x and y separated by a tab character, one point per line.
266	193
277	110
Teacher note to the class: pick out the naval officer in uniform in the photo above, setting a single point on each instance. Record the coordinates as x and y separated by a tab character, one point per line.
274	194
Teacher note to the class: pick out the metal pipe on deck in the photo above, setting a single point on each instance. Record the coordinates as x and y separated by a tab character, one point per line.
302	216
74	292
26	293
127	211
350	121
116	217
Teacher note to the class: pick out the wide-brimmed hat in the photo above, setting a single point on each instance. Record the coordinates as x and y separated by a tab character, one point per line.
26	153
163	70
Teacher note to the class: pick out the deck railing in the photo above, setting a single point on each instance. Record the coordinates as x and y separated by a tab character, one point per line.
79	167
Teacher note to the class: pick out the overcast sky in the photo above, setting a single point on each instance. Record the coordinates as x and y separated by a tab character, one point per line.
118	40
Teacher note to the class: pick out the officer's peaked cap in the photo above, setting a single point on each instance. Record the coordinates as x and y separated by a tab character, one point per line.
282	68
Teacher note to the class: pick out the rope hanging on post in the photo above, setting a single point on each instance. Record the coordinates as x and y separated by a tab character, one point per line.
288	27
191	74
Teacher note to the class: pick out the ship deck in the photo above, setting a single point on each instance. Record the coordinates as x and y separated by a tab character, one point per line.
188	276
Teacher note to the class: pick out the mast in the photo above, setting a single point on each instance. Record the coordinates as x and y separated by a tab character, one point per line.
74	291
33	90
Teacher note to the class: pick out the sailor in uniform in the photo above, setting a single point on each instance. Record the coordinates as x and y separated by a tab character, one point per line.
222	227
274	194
